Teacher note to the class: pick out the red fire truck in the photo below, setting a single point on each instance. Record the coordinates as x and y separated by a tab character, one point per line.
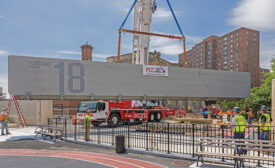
123	111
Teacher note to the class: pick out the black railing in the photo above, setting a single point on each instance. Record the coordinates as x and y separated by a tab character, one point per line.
163	137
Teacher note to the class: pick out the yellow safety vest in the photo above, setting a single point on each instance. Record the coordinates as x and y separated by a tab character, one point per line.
87	120
267	123
240	124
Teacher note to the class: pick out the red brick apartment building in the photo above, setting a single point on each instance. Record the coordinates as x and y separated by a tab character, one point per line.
234	51
262	77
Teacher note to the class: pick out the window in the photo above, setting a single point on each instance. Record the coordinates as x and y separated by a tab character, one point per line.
231	36
225	53
225	58
225	39
225	67
225	48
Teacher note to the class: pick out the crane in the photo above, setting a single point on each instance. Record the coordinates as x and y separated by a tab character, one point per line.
141	39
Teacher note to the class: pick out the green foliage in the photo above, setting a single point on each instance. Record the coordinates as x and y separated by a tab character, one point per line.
258	96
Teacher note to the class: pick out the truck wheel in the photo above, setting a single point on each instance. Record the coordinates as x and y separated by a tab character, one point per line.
152	117
113	120
158	116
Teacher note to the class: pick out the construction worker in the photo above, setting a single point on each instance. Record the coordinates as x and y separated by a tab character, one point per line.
209	112
87	125
238	124
229	113
264	124
4	121
74	120
220	114
250	116
188	109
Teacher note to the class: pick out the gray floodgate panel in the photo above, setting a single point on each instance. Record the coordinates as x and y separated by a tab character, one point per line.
47	78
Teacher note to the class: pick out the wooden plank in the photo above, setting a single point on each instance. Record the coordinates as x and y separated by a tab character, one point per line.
241	144
246	140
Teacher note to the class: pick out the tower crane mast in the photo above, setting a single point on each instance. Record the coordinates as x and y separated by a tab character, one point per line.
142	22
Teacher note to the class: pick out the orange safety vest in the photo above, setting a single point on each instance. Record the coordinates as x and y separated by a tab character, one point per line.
6	117
74	120
229	113
2	117
250	114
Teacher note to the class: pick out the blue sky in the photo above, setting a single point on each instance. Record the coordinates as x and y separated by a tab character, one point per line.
57	28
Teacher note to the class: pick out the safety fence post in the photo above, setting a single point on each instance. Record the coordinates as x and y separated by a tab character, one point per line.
48	121
147	136
113	136
98	135
193	139
168	140
259	134
128	135
86	130
75	131
65	128
222	141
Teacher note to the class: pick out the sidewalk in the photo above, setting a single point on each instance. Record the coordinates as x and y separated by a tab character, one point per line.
19	134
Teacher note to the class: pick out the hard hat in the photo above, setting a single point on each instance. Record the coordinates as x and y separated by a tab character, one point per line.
263	107
89	111
237	109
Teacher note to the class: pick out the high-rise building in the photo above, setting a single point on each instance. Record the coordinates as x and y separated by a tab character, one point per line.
234	51
262	72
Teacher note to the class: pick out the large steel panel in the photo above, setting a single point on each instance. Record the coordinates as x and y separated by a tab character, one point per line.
46	78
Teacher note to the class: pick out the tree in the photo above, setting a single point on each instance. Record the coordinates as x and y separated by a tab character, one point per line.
258	95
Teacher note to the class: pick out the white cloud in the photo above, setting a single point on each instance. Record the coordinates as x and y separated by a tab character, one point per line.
69	52
4	83
172	47
101	55
193	39
123	5
257	14
4	53
10	21
162	14
266	56
165	46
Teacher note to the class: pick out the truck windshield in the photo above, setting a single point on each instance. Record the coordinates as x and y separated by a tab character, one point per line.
83	107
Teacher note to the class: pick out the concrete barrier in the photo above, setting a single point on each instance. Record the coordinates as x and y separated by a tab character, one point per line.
35	112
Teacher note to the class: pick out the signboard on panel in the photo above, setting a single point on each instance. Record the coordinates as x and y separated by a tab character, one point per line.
154	70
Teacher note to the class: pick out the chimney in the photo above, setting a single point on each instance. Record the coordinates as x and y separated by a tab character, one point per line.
87	51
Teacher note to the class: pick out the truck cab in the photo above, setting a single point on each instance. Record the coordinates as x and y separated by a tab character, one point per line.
99	110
